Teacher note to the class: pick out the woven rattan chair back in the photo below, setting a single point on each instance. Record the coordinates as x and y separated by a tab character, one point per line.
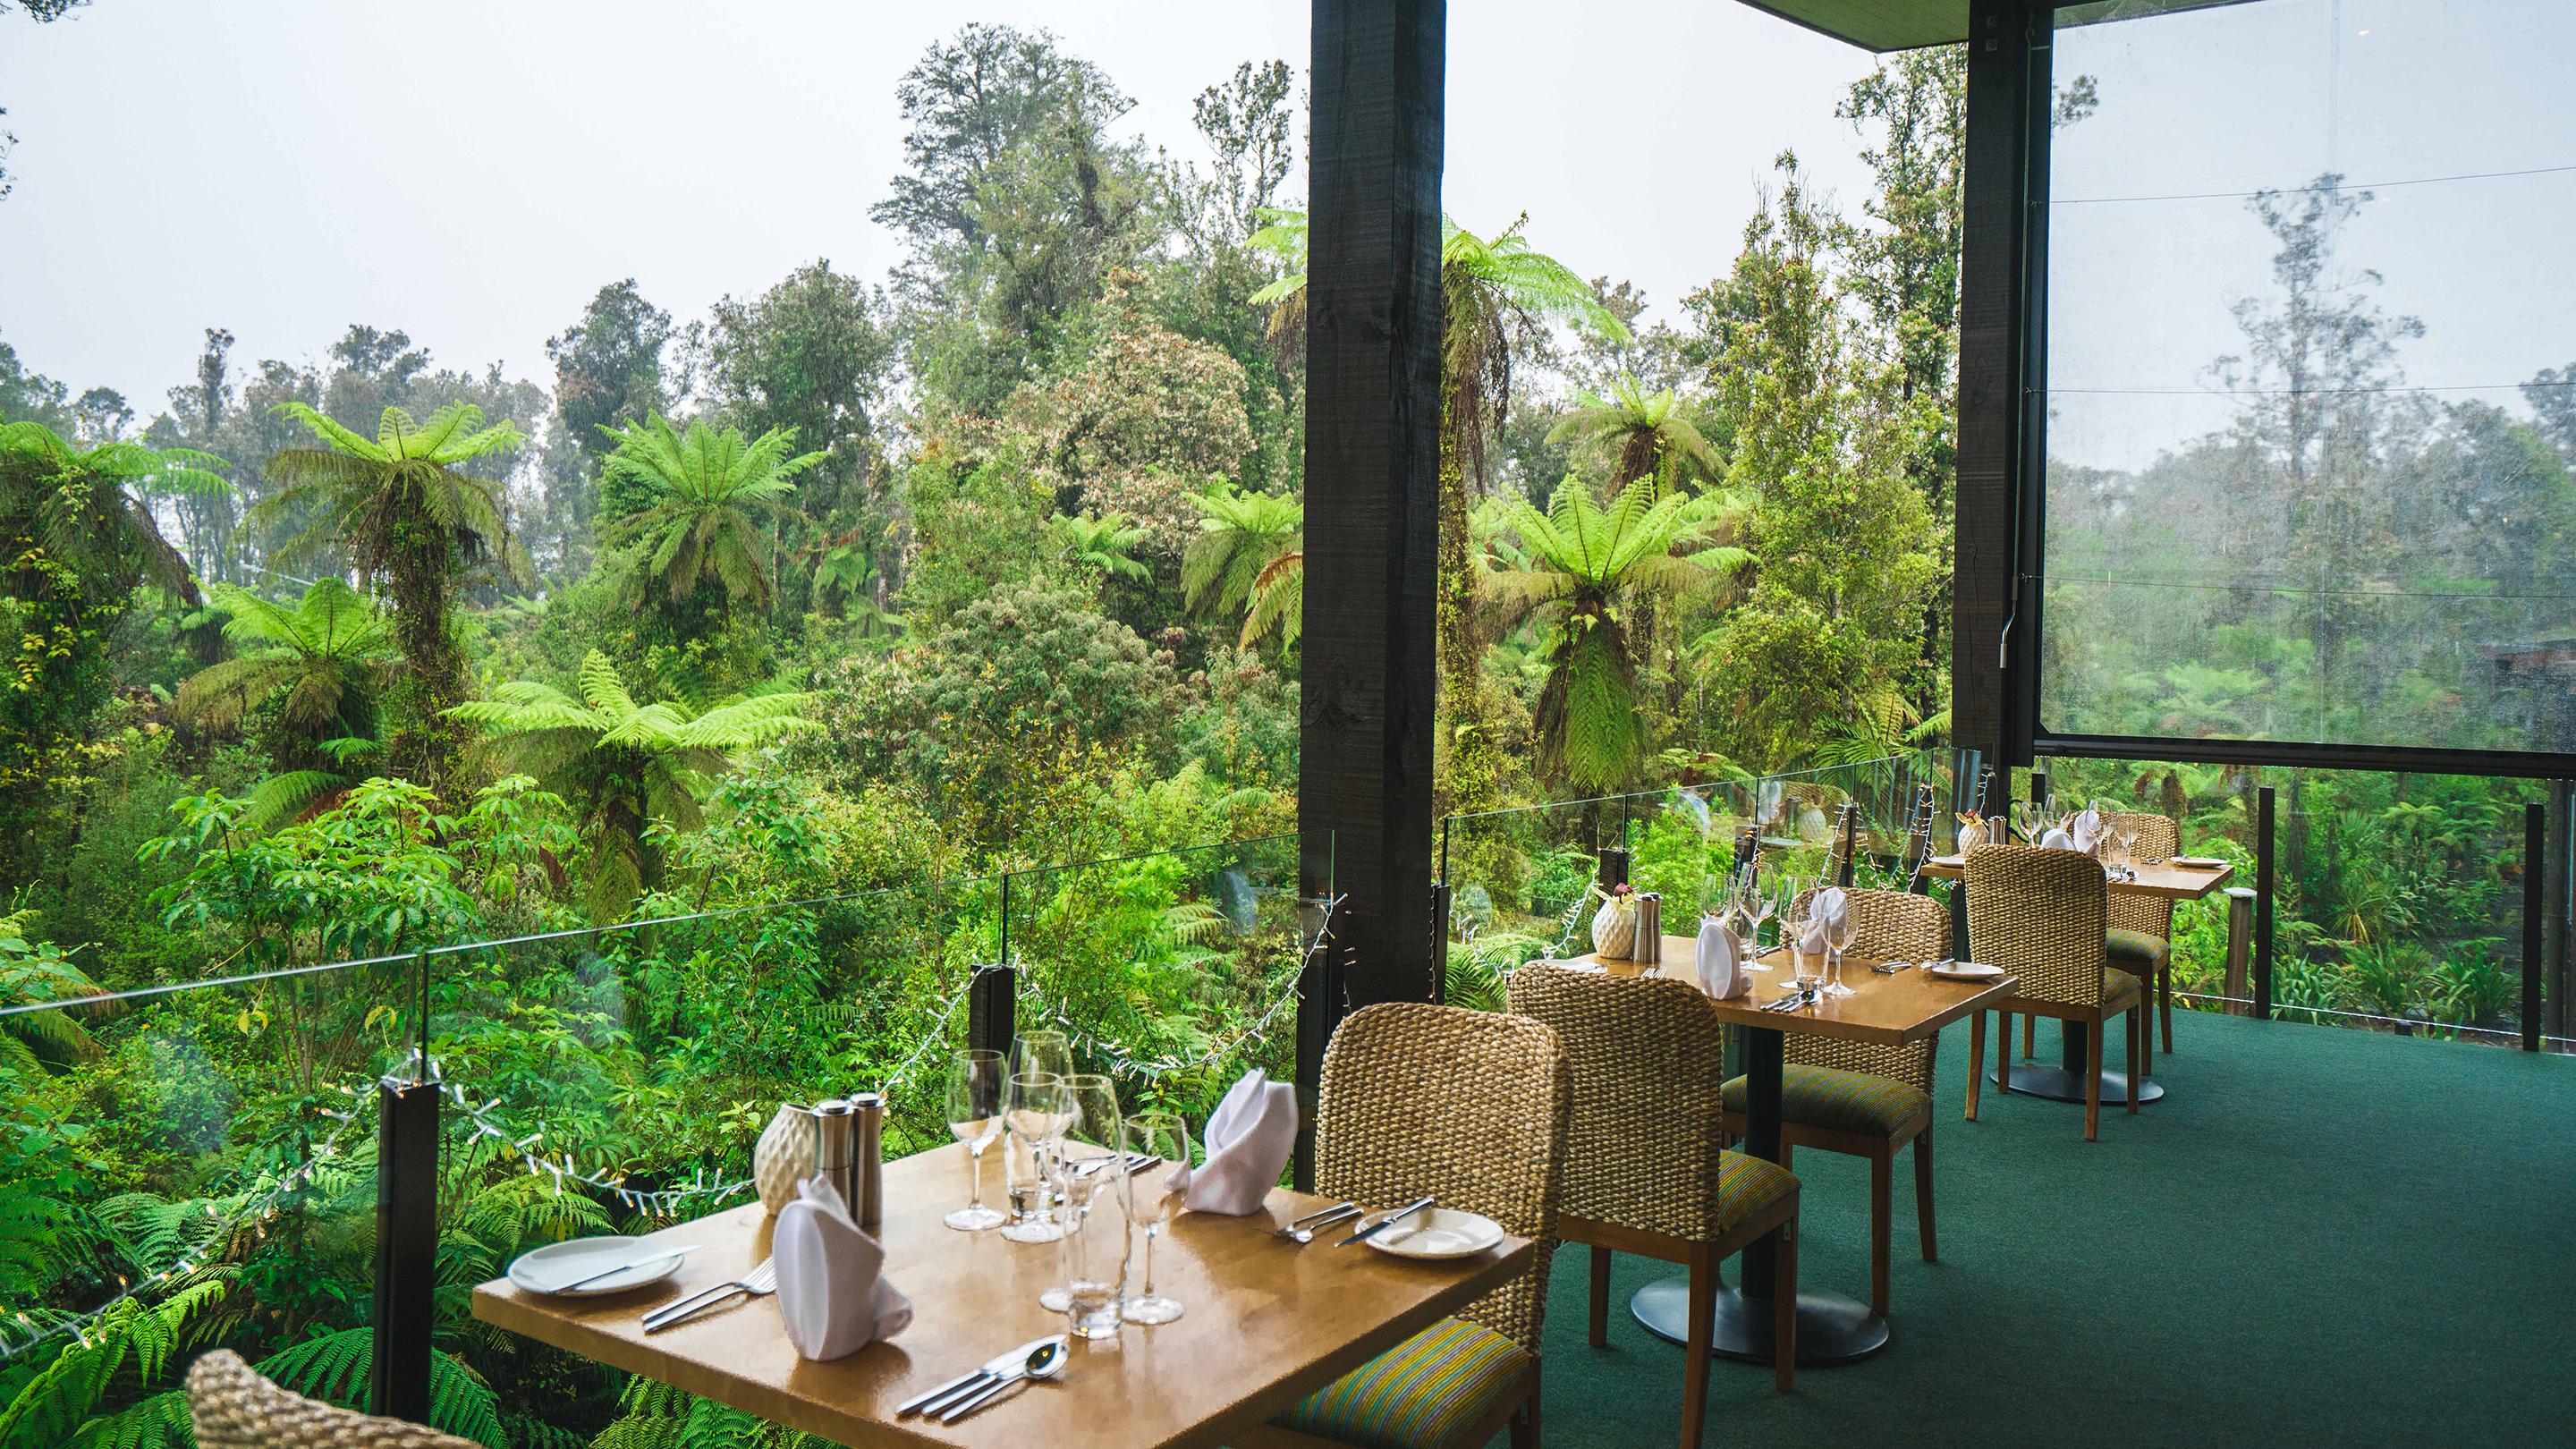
232	1407
1647	1054
1471	1106
2039	915
2158	841
1890	925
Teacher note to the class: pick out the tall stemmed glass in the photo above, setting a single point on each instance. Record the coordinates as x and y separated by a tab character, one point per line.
1840	931
1163	1135
1758	907
1045	1050
976	1086
1040	1110
1089	1161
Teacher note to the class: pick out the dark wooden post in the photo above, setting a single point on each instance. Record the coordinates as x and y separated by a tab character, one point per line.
993	995
1372	469
2003	193
2535	897
406	1247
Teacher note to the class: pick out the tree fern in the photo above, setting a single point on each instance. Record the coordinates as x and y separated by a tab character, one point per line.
334	1369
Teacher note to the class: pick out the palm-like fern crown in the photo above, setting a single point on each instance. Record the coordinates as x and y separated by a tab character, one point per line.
366	490
1241	534
1640	430
1106	542
707	485
93	514
320	651
1486	286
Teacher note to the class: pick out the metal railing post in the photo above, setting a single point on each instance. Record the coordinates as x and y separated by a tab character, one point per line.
2535	896
1851	847
406	1233
2263	853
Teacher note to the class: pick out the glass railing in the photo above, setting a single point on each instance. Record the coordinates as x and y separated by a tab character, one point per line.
590	1080
2398	900
1522	882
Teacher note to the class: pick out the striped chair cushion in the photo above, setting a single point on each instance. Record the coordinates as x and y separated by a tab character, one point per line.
1746	1184
2136	950
1420	1394
1830	1099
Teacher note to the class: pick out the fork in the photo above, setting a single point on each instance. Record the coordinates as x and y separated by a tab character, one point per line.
760	1282
1304	1229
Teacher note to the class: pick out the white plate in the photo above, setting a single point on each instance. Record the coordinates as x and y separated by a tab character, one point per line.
569	1262
2197	862
1439	1232
1968	971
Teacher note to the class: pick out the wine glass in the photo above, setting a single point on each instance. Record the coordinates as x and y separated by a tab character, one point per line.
976	1083
1757	906
1040	1109
1045	1050
1840	931
1164	1135
1086	1159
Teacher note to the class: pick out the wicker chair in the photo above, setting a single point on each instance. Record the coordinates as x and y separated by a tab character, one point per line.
1646	1170
232	1407
2140	935
2039	914
1471	1106
1865	1100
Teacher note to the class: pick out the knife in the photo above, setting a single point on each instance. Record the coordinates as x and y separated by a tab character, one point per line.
1390	1220
655	1256
994	1370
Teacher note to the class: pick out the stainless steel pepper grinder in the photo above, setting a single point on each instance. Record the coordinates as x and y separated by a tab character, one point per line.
836	1158
868	1111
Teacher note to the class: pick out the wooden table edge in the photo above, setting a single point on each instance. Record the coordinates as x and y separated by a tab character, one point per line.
1940	868
502	1304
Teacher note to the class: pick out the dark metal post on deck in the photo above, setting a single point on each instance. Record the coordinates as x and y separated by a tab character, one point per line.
1368	661
993	996
2535	897
406	1245
2263	903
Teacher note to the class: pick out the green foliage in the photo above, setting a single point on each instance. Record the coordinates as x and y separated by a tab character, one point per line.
324	655
705	494
1250	555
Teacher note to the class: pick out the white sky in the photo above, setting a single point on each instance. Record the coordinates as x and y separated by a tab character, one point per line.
471	172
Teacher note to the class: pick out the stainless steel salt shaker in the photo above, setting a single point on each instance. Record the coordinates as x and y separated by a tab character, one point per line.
868	1109
836	1158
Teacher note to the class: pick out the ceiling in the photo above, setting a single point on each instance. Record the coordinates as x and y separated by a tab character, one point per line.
1909	24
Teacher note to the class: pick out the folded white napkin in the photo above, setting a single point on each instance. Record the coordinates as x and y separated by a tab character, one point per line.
2056	839
1721	961
1249	1138
1830	905
831	1287
2086	831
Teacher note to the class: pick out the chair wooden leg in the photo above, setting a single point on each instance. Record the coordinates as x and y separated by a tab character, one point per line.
1882	1212
2142	1039
2029	1037
2093	1082
1525	1423
1923	1192
1788	1149
2003	1052
2164	1004
1784	1308
1600	1297
1695	1352
1976	1059
2140	1067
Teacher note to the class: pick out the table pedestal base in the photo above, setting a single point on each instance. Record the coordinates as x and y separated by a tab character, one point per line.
2039	1079
1832	1329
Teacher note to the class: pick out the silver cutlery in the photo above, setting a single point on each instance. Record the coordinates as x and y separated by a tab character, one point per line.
1304	1229
1049	1351
657	1255
1136	1162
760	1282
1382	1224
1046	1363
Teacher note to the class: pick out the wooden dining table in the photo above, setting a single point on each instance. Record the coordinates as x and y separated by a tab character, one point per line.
2065	1081
1265	1323
1884	1009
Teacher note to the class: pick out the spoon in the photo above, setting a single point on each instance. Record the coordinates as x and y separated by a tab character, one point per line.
1044	1362
1325	1219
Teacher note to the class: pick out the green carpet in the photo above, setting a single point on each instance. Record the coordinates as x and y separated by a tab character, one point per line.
2319	1236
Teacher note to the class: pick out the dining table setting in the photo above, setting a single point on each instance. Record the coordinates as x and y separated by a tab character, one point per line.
1142	1281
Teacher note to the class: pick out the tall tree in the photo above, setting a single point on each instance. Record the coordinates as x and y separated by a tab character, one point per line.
401	505
608	373
812	355
1646	435
1015	201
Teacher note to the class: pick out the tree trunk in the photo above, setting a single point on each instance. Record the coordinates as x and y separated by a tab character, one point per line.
1471	781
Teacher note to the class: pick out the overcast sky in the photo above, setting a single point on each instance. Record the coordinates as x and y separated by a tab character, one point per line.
471	172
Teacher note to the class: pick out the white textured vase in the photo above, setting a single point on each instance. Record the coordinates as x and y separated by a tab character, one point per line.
1614	932
1971	836
783	1157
